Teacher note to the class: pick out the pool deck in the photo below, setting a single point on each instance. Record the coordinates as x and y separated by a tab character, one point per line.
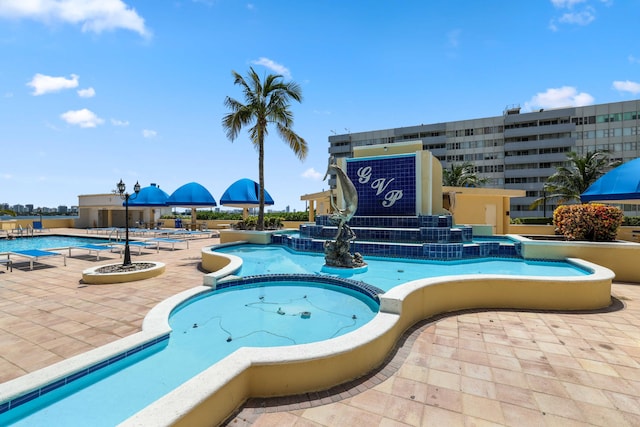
481	368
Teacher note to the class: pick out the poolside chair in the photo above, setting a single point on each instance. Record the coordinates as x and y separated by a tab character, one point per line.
92	248
35	254
37	226
7	261
168	241
137	244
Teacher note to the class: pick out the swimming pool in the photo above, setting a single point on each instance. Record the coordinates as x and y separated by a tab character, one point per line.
320	358
256	312
46	242
386	273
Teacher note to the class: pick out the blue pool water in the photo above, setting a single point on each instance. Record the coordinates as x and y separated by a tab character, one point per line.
385	273
46	242
205	329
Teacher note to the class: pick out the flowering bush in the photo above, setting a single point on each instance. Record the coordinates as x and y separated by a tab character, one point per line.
591	222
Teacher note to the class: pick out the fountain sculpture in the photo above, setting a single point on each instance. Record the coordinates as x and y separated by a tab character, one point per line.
337	252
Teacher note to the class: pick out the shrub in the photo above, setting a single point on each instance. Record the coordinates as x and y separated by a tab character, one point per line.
270	223
590	222
631	221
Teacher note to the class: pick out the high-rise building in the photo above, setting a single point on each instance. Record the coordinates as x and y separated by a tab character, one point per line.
518	150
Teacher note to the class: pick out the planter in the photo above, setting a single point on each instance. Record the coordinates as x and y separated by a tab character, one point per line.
95	277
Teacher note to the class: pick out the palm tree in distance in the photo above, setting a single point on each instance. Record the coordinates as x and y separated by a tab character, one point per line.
462	175
265	102
568	182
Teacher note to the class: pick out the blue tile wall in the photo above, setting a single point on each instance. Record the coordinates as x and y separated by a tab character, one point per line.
467	233
445	251
386	186
422	236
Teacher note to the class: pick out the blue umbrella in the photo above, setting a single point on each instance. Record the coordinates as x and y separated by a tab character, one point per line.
150	196
192	195
244	194
620	185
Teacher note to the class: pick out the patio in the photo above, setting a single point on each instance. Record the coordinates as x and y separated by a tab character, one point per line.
483	368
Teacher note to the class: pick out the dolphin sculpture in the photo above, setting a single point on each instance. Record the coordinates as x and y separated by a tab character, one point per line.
349	195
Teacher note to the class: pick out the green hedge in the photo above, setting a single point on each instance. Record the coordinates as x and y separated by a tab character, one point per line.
633	221
532	221
225	216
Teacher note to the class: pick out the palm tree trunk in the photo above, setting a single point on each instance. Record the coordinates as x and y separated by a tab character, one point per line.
260	225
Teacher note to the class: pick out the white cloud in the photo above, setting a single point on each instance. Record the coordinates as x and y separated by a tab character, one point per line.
585	17
83	118
568	4
312	174
274	66
116	122
627	86
566	96
148	133
42	84
8	95
87	93
581	15
93	15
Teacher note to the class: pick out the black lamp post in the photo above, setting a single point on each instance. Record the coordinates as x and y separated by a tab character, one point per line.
126	197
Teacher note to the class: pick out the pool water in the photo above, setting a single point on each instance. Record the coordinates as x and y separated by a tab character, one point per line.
205	329
46	242
386	273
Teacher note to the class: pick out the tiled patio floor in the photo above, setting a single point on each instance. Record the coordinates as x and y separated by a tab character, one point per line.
471	368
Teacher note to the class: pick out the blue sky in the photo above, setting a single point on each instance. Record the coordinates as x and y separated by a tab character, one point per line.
95	91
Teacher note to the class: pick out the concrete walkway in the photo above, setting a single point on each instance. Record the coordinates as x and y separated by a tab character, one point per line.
470	368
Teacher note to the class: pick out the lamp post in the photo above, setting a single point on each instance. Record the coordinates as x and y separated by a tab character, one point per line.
126	196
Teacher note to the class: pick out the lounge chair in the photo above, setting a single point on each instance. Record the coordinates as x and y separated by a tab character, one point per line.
37	226
7	261
169	241
92	248
137	244
35	255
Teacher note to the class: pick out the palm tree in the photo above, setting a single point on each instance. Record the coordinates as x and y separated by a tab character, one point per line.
569	182
462	175
265	102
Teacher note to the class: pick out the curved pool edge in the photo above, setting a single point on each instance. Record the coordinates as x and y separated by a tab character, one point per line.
218	264
212	396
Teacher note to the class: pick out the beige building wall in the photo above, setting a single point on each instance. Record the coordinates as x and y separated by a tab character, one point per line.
481	206
319	203
106	210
